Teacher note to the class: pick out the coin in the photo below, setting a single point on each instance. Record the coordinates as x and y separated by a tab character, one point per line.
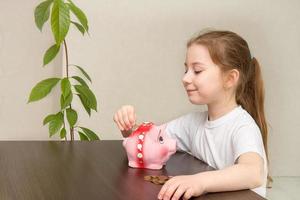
147	178
164	177
158	180
155	181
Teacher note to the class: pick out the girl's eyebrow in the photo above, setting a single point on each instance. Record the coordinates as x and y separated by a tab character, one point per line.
195	63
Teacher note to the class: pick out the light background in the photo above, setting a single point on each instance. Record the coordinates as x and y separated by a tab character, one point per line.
135	54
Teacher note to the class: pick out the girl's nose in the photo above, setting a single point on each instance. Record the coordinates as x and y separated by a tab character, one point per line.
187	78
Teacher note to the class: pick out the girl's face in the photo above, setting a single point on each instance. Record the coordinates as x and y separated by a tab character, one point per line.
203	78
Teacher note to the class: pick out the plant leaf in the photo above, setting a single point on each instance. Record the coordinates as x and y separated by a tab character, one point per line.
60	20
48	119
91	135
83	136
42	13
84	72
80	80
42	89
56	124
65	86
79	27
63	133
84	103
50	54
64	102
79	14
88	96
71	116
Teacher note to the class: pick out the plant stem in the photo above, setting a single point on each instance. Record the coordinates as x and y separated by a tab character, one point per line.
67	58
67	72
65	128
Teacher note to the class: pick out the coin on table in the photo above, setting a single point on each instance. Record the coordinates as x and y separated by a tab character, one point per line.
163	179
148	178
158	180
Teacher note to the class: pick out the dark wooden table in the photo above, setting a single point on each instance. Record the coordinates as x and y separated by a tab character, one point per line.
87	170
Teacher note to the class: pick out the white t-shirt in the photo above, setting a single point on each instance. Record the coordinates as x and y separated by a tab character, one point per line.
220	142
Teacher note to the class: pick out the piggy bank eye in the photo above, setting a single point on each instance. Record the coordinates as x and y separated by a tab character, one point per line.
161	139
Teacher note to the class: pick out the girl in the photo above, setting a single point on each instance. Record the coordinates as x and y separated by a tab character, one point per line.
231	135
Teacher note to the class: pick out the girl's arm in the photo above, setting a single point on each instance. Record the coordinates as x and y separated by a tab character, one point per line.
248	173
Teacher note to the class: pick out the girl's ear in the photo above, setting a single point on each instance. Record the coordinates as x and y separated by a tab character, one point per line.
231	78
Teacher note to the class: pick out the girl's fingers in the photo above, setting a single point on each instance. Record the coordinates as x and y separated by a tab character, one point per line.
126	119
120	120
120	126
162	191
168	194
116	120
131	116
188	194
178	193
166	190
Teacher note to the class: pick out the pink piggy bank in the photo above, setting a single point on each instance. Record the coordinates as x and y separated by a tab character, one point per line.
149	146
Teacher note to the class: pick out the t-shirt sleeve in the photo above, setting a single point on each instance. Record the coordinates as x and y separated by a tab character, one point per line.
248	139
181	130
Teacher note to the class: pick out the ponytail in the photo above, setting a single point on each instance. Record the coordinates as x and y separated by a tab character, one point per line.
251	96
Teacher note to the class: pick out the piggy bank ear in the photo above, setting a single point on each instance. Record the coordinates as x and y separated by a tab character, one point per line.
162	129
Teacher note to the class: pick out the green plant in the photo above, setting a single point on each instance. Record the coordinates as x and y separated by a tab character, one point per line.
59	12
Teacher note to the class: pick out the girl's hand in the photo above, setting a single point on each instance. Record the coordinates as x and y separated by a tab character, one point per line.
125	118
185	186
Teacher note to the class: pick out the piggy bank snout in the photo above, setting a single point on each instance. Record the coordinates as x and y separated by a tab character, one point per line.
171	145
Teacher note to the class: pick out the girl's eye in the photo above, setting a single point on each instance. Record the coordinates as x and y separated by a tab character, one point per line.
161	139
195	72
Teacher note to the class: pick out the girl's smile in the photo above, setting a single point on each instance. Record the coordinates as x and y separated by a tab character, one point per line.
190	92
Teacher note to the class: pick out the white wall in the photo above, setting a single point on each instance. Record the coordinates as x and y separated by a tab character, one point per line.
135	55
22	47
